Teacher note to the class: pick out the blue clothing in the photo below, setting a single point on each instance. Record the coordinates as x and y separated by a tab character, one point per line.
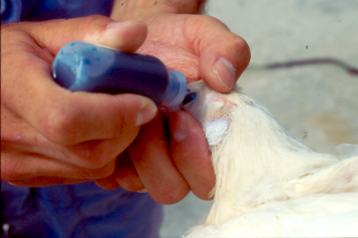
80	210
41	10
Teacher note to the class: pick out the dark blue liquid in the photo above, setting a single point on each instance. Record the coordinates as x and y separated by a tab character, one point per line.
81	66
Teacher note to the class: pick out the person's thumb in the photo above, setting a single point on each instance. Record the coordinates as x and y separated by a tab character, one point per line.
52	35
58	114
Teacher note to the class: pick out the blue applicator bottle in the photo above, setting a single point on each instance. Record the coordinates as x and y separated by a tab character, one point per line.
81	66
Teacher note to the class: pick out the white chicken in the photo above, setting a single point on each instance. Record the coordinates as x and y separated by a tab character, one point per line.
268	184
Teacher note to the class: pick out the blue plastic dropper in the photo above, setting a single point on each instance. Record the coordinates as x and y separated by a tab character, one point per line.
81	66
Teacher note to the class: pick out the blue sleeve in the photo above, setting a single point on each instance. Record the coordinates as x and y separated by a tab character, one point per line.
42	10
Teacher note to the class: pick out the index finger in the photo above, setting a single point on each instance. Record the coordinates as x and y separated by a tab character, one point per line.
62	116
52	35
190	153
223	55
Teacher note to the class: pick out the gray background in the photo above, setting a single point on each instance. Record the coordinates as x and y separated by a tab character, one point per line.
316	103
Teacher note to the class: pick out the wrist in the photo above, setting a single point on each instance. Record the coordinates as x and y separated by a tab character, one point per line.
140	9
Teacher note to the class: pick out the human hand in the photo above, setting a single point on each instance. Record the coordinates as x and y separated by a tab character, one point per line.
222	55
50	135
167	165
191	44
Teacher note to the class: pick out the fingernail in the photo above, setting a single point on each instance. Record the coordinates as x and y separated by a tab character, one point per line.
142	191
225	72
124	34
115	24
112	31
147	112
120	24
181	129
114	27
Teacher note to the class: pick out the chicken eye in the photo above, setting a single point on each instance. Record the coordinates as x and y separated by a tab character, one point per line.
189	98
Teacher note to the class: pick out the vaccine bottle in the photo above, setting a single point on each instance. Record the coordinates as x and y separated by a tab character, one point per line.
81	66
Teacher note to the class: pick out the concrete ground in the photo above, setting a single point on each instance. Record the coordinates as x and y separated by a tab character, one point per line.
317	103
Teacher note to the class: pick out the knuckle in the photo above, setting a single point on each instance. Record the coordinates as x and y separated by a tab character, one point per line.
11	169
95	157
58	125
171	195
238	44
244	50
98	162
211	19
238	48
125	118
131	184
99	173
95	154
105	171
121	124
94	162
128	179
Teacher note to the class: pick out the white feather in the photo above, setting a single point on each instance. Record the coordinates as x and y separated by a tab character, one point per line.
215	130
267	182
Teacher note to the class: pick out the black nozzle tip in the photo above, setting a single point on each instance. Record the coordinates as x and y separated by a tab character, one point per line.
189	97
